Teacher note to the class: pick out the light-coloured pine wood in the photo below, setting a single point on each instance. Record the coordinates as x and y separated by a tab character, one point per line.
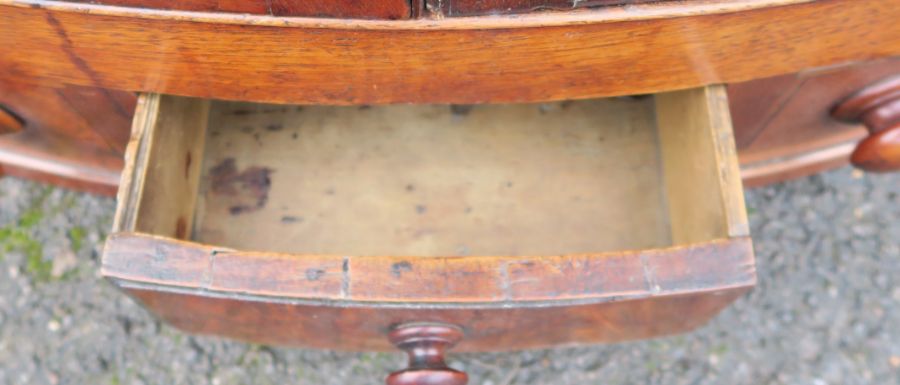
700	165
159	182
529	179
434	180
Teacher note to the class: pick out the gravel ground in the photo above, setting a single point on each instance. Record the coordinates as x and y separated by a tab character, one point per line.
826	311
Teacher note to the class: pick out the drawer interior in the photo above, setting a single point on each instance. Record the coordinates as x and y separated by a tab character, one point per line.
436	180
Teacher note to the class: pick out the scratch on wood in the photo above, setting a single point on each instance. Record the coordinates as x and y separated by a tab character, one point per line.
345	282
314	274
210	270
504	281
68	48
649	275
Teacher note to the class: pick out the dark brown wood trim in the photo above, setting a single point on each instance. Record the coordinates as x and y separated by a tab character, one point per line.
362	327
808	163
20	161
412	282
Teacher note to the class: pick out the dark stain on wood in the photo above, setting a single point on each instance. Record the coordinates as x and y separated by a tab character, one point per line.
291	219
460	110
187	165
181	228
398	268
314	274
251	186
68	48
421	209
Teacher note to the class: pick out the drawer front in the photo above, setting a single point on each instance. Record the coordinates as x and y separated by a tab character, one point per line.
523	225
784	126
73	136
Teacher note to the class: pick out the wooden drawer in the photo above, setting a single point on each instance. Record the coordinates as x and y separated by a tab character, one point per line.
524	225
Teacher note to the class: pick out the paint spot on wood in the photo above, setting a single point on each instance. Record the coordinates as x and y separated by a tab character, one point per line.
398	268
314	274
249	189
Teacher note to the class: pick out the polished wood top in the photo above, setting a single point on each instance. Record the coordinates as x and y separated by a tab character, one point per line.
550	56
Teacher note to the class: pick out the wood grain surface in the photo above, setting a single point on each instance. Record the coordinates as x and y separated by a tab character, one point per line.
423	180
361	328
372	9
70	135
579	54
783	125
10	122
546	302
491	281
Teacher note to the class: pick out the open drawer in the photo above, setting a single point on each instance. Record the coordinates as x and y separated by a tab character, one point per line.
522	225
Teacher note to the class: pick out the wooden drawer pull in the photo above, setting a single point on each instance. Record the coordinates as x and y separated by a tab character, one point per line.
426	344
878	108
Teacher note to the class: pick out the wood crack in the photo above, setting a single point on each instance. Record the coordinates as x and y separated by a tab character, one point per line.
68	48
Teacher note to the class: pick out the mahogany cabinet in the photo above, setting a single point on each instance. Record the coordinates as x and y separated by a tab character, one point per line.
436	175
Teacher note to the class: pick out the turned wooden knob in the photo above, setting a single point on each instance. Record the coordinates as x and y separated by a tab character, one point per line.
426	344
878	108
